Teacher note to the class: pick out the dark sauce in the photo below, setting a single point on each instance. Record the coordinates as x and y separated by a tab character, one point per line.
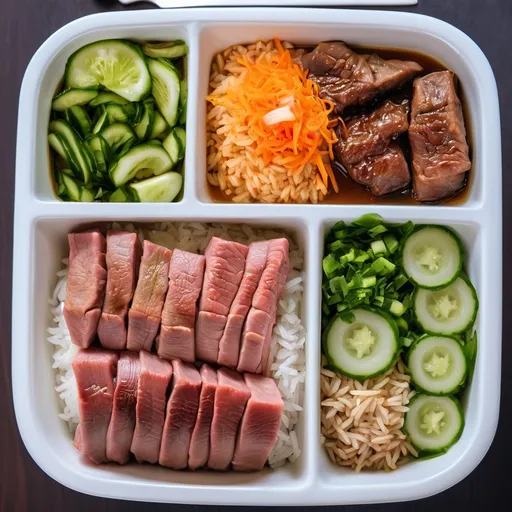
351	192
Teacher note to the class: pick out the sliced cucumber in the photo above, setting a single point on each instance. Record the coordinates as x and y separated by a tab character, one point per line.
119	137
72	97
78	118
437	364
116	113
183	102
432	257
71	187
174	147
143	128
120	195
166	89
108	97
450	310
365	348
160	128
168	50
87	195
140	158
434	423
182	136
101	123
72	144
56	144
159	189
101	152
116	65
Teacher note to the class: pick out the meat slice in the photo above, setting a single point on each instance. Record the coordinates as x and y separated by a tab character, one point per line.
122	423
229	345
200	441
256	340
154	379
148	300
123	255
260	424
181	415
225	263
440	153
349	78
94	371
230	399
86	285
176	339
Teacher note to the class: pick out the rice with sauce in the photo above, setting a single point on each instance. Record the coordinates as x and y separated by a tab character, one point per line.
289	336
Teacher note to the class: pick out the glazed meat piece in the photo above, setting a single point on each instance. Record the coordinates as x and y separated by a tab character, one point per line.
86	285
94	371
122	423
257	334
148	300
200	440
259	425
123	259
176	338
349	78
154	379
229	345
440	153
230	399
181	415
225	263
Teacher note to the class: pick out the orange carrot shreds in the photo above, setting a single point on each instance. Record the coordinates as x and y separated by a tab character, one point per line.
281	112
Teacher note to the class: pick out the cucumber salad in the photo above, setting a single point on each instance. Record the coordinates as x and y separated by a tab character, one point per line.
398	292
117	127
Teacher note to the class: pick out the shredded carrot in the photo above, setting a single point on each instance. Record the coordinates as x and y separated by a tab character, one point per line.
269	83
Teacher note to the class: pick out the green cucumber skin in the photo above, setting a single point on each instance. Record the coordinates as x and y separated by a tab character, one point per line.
442	449
454	235
61	98
465	278
332	364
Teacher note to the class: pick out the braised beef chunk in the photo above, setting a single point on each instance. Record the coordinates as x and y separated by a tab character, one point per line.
349	78
440	153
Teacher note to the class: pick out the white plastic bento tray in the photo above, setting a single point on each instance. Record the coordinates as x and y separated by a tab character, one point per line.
42	223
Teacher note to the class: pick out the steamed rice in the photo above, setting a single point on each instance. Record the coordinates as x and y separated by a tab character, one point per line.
289	336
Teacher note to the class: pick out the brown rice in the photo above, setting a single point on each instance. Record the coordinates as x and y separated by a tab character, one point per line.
362	421
231	161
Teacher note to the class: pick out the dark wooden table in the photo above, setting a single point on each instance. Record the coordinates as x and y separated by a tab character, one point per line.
24	25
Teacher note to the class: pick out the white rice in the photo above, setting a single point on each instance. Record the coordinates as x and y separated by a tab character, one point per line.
289	336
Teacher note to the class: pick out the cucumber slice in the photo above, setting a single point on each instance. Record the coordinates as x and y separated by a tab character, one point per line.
87	195
116	113
365	348
78	118
450	310
437	364
56	145
101	152
143	128
71	187
159	189
72	145
140	158
101	123
172	144
182	136
72	97
159	128
119	136
120	195
108	97
432	257
168	50
116	65
434	423
166	89
183	102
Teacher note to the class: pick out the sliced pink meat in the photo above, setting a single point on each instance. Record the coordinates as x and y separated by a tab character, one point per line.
86	285
200	441
123	255
230	399
176	338
94	371
122	423
260	424
229	345
154	379
148	300
225	263
181	415
257	334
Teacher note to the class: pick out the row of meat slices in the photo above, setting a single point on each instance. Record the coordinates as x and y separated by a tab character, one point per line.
172	413
218	308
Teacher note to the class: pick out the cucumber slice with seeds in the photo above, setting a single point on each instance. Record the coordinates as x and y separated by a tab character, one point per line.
72	97
119	137
166	89
159	189
116	65
432	257
116	113
168	50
